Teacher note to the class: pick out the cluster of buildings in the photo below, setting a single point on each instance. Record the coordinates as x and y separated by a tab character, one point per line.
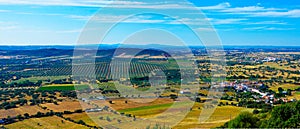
256	89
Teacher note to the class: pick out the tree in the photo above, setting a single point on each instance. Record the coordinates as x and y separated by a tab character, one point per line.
108	119
244	120
255	111
198	99
280	90
284	116
81	122
289	92
19	117
26	115
173	96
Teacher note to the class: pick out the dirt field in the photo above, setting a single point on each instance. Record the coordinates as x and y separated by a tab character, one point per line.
21	110
66	106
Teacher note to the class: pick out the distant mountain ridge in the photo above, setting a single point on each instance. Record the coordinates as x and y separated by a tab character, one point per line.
114	46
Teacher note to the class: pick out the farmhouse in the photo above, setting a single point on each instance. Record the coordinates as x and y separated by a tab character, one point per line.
94	110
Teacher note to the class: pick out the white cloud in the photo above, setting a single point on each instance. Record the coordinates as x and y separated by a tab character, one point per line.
248	9
228	21
259	11
260	28
90	3
116	18
118	4
268	23
4	11
206	29
290	13
104	3
7	27
275	28
216	7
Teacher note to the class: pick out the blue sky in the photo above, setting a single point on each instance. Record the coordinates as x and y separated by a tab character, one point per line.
237	22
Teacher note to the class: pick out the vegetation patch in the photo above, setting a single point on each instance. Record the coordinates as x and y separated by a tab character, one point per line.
64	87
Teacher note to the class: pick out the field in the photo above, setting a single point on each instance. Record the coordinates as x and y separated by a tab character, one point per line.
295	95
147	115
53	122
219	117
41	78
119	104
285	87
114	100
63	87
105	119
147	111
31	110
66	106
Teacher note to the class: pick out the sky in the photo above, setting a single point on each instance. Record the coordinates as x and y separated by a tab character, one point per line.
232	22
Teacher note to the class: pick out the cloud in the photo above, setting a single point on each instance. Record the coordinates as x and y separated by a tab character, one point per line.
146	19
260	28
216	7
206	29
89	3
259	11
248	9
228	21
268	23
105	3
8	27
290	13
4	11
117	4
116	18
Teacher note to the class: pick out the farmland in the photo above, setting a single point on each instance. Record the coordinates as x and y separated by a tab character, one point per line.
46	122
150	90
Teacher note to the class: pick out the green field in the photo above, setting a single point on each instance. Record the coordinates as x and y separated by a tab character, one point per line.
64	87
148	111
152	107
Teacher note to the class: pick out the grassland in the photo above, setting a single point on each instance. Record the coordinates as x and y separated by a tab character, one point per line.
119	104
53	122
285	87
147	110
66	106
103	119
31	110
220	116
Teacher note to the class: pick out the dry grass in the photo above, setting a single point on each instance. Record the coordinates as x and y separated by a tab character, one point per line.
31	110
119	104
219	117
93	119
67	106
285	87
53	122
